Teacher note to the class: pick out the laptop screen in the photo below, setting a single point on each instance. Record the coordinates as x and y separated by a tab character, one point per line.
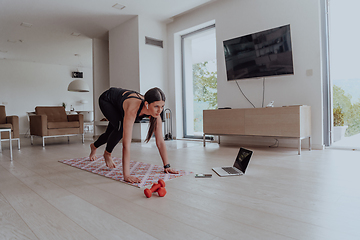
243	159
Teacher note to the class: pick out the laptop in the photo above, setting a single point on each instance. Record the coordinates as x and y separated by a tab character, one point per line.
241	162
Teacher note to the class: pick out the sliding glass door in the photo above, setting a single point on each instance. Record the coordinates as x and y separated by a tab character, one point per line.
345	79
199	75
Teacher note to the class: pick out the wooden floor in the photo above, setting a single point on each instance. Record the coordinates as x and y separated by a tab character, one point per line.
281	196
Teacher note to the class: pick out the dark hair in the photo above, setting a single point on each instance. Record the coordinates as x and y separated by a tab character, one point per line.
153	95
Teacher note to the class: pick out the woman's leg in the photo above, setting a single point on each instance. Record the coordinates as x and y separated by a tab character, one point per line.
114	137
92	155
102	139
113	133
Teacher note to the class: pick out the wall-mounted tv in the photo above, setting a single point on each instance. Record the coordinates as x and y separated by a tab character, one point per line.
261	54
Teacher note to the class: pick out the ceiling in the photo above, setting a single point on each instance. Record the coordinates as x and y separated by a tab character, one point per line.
49	39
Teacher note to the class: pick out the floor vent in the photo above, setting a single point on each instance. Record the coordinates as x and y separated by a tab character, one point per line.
154	42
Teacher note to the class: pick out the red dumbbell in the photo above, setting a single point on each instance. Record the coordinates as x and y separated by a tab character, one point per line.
161	191
156	187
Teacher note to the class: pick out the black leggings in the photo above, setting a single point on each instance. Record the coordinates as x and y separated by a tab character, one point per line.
114	130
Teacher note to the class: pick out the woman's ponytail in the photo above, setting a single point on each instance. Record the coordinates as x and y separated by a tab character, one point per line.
152	127
153	95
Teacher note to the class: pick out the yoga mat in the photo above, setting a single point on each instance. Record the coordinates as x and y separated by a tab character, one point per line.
148	173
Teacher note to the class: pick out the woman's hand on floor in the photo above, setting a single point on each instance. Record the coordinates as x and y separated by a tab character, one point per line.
132	179
170	170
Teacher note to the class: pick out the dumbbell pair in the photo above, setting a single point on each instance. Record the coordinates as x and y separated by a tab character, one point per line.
156	187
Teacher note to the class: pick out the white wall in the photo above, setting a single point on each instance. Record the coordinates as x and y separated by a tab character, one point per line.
236	18
25	85
153	64
124	55
135	65
152	58
101	81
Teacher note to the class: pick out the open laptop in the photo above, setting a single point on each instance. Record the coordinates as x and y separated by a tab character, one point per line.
241	162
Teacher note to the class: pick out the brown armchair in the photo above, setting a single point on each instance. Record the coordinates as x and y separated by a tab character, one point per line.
54	122
9	122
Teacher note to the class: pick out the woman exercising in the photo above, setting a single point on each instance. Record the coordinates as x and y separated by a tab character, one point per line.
122	107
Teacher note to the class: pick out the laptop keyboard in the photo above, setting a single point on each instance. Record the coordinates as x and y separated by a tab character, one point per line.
230	170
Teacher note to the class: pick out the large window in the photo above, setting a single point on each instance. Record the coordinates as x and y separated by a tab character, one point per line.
344	73
199	78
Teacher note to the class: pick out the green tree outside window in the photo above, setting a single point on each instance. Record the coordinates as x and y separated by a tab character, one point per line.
345	112
205	92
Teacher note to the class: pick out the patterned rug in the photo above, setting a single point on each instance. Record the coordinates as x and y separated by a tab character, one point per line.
148	173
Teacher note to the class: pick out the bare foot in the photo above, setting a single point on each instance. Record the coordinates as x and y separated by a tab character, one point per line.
108	160
93	152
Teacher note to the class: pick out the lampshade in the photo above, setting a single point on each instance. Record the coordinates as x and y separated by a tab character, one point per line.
78	86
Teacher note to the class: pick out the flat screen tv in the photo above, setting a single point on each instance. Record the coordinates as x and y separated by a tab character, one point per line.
261	54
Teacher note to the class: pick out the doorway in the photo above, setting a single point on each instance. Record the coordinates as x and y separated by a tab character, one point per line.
344	76
199	78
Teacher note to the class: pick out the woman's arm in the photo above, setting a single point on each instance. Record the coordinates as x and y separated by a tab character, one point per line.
160	143
130	112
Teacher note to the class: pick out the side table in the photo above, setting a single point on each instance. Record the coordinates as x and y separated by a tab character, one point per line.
7	130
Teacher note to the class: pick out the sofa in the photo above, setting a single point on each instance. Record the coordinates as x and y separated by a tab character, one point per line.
54	122
9	122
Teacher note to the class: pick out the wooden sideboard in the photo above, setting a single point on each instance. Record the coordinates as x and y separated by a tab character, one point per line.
279	122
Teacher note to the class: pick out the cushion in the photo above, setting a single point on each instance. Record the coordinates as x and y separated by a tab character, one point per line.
5	135
63	131
2	114
55	125
54	114
6	125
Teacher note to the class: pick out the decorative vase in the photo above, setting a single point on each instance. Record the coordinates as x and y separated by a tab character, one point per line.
339	132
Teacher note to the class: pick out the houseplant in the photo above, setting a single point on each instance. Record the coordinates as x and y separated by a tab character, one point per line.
339	127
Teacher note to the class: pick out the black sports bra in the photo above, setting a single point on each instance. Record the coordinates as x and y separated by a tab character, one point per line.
126	96
117	96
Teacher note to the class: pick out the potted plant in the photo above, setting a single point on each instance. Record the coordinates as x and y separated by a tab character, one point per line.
339	127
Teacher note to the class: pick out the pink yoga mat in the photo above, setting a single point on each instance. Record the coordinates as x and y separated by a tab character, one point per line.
148	173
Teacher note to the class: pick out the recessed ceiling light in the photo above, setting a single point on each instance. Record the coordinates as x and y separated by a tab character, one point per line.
76	34
119	6
24	24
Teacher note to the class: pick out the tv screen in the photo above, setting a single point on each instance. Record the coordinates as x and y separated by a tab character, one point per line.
261	54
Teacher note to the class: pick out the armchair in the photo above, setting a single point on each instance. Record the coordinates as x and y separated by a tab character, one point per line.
9	122
54	122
